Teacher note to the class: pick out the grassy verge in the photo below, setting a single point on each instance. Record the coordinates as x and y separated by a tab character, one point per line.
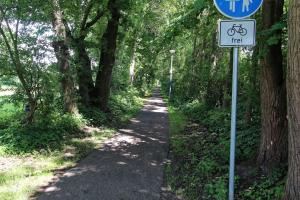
28	172
200	157
177	121
31	155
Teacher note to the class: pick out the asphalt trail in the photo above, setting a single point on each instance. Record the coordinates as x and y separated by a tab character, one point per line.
128	167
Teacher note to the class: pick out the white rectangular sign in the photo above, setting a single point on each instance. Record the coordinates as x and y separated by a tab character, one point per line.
237	33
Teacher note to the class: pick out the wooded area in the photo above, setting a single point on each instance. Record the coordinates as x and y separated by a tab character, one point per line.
68	66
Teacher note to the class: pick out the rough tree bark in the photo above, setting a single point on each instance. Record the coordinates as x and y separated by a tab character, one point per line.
84	71
133	62
227	85
61	50
85	80
107	58
253	80
273	147
292	191
214	93
82	59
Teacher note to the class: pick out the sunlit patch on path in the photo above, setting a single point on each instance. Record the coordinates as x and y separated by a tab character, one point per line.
129	166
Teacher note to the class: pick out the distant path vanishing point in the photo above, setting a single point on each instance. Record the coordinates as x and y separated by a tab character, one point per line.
128	167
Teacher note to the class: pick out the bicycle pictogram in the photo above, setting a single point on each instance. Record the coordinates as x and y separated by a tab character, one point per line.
237	29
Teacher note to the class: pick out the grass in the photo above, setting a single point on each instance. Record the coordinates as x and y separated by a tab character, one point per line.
177	122
21	181
8	112
34	154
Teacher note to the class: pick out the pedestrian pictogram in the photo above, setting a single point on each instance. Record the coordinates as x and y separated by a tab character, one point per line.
246	4
232	4
238	9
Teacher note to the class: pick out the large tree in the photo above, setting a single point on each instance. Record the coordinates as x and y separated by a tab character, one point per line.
107	57
292	191
62	53
273	147
90	13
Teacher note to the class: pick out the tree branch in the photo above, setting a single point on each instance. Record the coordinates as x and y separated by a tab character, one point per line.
86	14
67	28
9	48
100	13
17	28
16	63
85	24
9	30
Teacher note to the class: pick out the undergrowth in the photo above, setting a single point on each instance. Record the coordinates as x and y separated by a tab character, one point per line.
52	131
200	156
54	141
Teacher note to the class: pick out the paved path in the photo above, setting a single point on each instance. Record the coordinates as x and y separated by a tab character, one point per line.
128	167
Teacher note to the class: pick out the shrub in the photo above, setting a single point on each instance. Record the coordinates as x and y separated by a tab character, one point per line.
93	116
216	189
44	135
195	110
123	104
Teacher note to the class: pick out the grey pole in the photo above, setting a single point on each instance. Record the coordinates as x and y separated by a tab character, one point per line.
171	73
233	121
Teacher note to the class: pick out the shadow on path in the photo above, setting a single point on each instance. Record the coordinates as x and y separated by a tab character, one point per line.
128	167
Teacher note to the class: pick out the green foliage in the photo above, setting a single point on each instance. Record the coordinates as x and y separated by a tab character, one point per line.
51	131
218	120
206	166
147	31
9	113
26	174
93	116
177	120
272	33
265	188
216	189
123	105
200	163
264	191
43	136
194	110
177	123
187	171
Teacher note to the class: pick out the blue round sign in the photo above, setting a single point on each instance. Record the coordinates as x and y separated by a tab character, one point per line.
238	9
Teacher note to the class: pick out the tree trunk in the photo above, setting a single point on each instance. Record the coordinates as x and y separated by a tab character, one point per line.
30	111
61	50
227	85
85	80
190	90
13	51
292	191
107	58
252	91
273	147
133	62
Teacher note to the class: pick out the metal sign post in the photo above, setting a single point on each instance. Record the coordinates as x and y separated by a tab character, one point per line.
233	120
236	33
